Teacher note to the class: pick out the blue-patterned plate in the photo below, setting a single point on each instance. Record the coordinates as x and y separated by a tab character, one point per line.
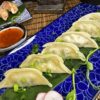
50	33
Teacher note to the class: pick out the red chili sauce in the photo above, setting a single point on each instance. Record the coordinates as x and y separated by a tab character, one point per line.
10	36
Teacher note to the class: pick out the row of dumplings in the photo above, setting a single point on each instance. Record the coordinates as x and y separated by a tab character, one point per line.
30	71
52	56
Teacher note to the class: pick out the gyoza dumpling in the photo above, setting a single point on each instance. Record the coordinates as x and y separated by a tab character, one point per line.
79	39
10	6
45	63
64	50
23	77
91	16
92	27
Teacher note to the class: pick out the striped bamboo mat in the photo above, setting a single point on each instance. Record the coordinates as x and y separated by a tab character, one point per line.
39	21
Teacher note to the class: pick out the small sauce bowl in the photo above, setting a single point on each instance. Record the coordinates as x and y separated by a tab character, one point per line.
11	36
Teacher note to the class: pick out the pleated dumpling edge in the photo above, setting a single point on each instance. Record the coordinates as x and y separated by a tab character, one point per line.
23	77
45	62
64	50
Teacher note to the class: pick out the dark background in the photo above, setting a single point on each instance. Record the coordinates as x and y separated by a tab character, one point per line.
91	1
97	2
87	1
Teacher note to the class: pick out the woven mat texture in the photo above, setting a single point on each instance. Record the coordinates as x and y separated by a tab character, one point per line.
39	21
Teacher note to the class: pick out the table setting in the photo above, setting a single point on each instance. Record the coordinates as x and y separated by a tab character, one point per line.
50	50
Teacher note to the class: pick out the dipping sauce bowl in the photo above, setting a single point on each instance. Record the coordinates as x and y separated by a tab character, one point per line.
11	36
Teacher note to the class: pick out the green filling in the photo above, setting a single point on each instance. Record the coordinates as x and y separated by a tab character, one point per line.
16	88
77	30
58	40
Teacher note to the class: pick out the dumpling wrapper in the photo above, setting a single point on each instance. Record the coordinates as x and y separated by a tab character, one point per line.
45	63
23	77
92	27
78	38
91	16
64	50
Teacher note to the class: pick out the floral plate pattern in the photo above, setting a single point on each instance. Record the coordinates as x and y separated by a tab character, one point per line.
50	33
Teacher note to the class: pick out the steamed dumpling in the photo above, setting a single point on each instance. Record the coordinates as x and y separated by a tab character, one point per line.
91	16
92	27
23	77
64	50
78	38
45	63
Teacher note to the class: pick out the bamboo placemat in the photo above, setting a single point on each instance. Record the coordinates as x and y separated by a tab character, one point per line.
39	21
